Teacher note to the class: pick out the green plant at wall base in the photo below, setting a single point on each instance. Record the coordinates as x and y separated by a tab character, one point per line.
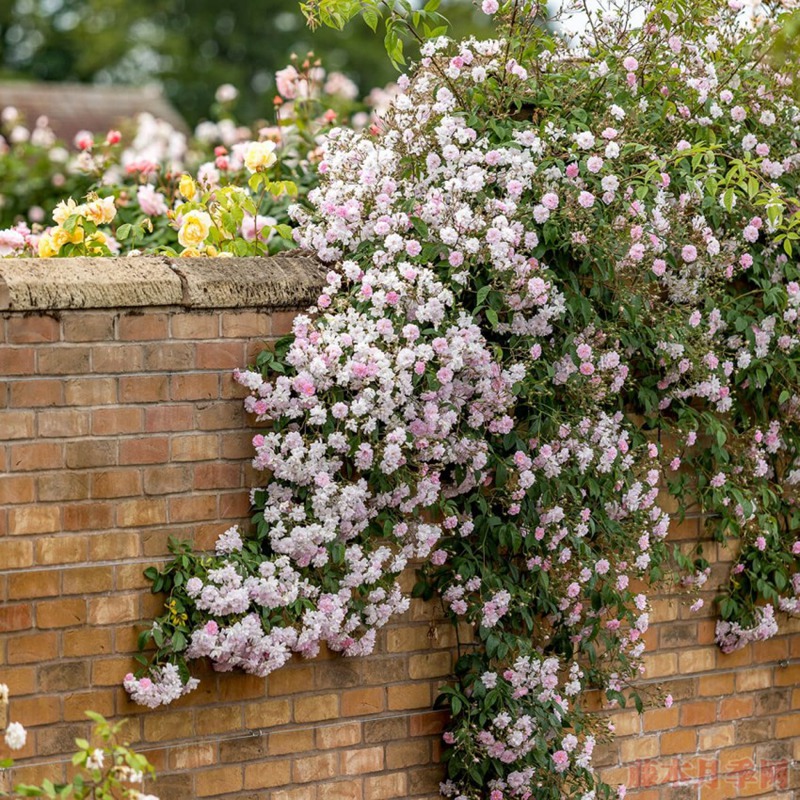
104	770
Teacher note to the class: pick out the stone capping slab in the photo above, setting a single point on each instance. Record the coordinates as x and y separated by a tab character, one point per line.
37	284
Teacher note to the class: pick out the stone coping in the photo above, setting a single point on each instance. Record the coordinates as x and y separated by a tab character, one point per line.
291	280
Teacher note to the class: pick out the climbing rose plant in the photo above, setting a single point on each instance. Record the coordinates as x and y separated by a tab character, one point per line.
562	287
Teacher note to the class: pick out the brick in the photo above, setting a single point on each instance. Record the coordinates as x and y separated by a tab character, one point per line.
282	322
16	489
225	415
26	585
409	695
17	425
117	420
363	701
33	329
787	726
62	422
751	679
87	580
116	483
424	780
64	676
32	648
407	754
146	450
245	324
169	418
61	549
87	642
56	486
428	723
15	617
34	519
91	453
39	456
75	705
699	713
234	505
40	710
267	774
716	737
735	707
718	684
195	447
194	325
61	613
385	730
110	671
18	361
658	719
385	787
219	720
267	713
344	734
141	512
316	708
36	393
218	476
143	388
90	391
117	358
220	355
169	725
63	360
88	516
192	756
117	608
169	356
659	665
315	768
196	386
285	742
340	790
697	661
222	780
167	480
429	665
195	507
16	554
83	327
141	327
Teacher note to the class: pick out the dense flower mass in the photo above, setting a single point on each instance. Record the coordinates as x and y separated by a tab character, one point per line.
562	285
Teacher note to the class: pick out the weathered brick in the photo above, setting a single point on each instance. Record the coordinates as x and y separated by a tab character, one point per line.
15	489
143	388
195	325
141	512
16	617
316	708
141	327
55	486
194	386
267	713
315	768
117	420
63	360
37	393
385	787
61	613
344	734
117	358
268	774
145	450
169	418
194	447
38	456
82	326
85	391
35	328
116	483
17	425
34	519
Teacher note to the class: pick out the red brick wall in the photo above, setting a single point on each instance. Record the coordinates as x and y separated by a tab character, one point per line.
122	427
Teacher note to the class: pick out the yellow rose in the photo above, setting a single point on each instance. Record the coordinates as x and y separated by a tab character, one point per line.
186	187
191	252
46	247
60	237
260	156
194	229
101	211
65	209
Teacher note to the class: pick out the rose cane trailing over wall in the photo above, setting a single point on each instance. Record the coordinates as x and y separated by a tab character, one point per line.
543	260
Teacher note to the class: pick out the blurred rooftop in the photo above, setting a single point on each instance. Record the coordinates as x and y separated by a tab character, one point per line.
73	107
